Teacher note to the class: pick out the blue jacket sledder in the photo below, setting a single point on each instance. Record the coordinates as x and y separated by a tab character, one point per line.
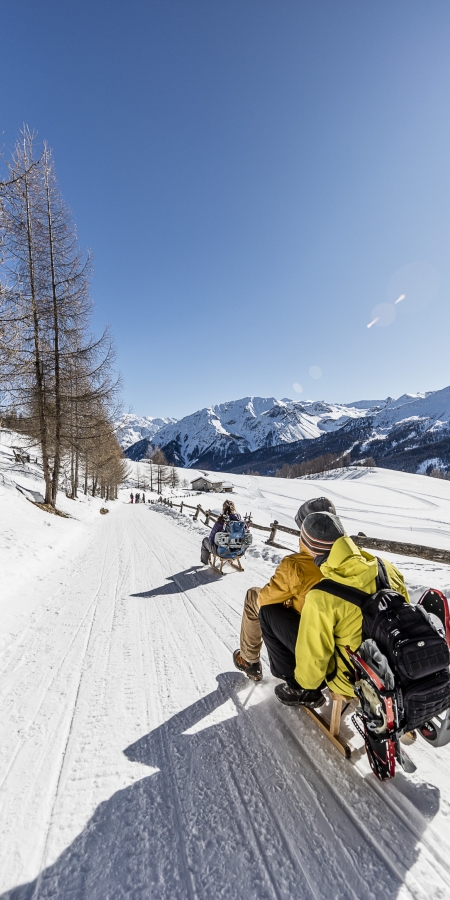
233	540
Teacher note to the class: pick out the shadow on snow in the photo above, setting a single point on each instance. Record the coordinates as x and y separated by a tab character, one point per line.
183	581
237	809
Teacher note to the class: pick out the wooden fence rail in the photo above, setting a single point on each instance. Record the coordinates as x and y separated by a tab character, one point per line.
361	540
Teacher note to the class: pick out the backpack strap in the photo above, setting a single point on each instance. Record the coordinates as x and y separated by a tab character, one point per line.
382	577
353	594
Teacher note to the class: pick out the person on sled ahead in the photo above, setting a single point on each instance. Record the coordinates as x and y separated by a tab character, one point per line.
287	588
313	655
208	545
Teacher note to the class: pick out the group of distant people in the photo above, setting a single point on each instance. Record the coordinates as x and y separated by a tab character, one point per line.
136	498
305	629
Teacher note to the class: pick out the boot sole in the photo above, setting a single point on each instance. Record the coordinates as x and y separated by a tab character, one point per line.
245	672
251	677
316	705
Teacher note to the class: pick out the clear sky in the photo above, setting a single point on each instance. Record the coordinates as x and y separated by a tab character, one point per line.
253	178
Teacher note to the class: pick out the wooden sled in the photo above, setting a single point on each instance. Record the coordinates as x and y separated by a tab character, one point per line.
236	563
332	730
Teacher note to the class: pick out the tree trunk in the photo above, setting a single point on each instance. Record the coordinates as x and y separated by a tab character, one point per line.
57	448
40	382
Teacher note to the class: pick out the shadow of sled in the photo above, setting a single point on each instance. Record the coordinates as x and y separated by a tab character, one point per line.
181	582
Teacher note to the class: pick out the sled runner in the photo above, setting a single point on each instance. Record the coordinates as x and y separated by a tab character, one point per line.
218	566
231	544
400	674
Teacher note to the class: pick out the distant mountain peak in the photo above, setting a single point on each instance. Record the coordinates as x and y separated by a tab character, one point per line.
225	435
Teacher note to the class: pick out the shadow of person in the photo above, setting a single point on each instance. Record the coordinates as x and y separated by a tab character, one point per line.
183	581
236	809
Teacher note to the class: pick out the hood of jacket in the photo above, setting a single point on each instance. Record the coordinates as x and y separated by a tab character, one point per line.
348	563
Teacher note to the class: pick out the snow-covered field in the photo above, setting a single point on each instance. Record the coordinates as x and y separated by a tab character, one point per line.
135	762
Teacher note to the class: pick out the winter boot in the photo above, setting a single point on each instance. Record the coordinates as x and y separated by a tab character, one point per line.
298	696
252	670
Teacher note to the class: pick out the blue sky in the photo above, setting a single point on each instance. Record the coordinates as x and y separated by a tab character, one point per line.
253	179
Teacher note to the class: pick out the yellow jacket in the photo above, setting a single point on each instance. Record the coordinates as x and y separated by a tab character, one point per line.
327	620
292	580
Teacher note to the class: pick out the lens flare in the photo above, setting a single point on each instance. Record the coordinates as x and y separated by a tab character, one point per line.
373	322
399	299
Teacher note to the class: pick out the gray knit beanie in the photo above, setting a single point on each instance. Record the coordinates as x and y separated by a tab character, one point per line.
318	504
319	532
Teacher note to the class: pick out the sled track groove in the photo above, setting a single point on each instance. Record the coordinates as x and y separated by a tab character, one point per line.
54	676
93	607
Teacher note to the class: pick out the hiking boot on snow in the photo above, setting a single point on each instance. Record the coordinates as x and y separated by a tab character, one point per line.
252	670
298	696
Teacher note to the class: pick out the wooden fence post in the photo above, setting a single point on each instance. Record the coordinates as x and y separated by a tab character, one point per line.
272	535
207	514
181	507
196	513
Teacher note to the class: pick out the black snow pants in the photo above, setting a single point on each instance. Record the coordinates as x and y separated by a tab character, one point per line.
279	626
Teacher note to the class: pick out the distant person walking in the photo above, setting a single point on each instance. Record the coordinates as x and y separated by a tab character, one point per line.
143	498
131	498
137	498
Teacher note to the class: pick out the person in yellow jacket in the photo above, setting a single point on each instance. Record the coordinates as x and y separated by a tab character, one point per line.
287	589
329	624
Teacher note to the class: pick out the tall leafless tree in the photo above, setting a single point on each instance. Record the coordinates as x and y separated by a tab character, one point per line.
52	372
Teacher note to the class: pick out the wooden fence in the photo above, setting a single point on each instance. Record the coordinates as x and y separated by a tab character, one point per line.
361	540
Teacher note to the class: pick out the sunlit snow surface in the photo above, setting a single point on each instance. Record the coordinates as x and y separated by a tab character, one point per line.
135	762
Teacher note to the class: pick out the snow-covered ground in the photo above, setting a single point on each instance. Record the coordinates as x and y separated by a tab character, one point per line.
135	762
35	546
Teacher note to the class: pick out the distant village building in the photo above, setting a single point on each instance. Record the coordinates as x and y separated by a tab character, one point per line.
202	483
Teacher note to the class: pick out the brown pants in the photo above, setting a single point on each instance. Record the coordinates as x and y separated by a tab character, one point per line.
251	635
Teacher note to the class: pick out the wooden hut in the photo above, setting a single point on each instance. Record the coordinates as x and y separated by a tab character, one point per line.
204	483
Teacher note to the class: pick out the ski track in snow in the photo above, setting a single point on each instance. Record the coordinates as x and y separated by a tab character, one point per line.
137	763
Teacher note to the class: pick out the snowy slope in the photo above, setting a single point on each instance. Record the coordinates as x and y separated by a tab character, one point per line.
137	763
133	428
34	545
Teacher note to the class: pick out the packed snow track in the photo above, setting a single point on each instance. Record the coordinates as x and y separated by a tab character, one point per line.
137	763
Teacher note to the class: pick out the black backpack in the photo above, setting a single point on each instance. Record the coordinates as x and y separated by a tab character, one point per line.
416	653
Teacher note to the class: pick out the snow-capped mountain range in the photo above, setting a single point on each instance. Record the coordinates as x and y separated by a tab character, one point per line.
133	428
255	429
